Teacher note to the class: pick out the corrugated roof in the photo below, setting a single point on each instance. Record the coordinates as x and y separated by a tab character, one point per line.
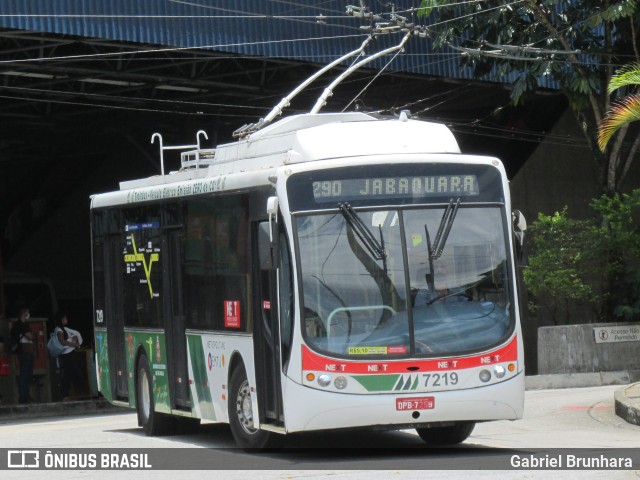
266	28
285	29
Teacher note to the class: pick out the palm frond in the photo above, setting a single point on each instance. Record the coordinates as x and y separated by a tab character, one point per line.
627	75
625	111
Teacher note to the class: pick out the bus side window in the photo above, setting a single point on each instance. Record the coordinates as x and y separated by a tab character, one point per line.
216	263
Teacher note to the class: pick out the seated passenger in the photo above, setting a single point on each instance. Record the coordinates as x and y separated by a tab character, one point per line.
443	293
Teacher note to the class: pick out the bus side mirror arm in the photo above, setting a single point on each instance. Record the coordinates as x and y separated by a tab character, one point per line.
272	211
268	238
519	227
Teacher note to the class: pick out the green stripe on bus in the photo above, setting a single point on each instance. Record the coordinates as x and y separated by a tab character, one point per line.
200	378
104	375
377	383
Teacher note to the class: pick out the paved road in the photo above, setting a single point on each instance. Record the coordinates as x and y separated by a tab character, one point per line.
571	418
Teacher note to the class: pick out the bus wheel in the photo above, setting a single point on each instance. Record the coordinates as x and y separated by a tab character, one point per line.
241	414
152	422
452	435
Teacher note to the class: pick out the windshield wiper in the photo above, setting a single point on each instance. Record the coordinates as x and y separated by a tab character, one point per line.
435	250
444	229
375	247
375	251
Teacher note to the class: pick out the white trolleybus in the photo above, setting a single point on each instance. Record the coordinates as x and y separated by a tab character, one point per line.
326	271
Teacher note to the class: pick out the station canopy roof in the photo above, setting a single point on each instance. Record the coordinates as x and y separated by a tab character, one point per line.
86	82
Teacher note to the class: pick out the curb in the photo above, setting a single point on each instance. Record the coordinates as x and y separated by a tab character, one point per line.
626	399
627	403
57	409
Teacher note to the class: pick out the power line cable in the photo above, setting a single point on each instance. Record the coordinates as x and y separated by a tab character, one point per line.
124	98
372	80
247	43
178	49
166	17
118	107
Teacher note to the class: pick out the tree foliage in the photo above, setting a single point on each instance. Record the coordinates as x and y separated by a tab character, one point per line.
558	269
586	262
620	246
572	44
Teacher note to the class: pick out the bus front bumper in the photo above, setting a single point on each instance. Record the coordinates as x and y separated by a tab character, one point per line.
307	409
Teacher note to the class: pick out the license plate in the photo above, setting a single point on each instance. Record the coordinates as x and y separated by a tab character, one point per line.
415	403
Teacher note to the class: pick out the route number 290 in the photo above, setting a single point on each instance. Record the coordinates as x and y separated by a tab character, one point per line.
327	189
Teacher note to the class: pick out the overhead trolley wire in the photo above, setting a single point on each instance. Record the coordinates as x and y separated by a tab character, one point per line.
178	49
119	107
100	56
124	98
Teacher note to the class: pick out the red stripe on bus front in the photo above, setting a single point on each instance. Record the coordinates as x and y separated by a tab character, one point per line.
315	362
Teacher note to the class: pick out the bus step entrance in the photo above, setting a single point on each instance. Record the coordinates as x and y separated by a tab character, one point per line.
272	418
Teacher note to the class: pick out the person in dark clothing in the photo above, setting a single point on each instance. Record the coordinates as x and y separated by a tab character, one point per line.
22	346
71	340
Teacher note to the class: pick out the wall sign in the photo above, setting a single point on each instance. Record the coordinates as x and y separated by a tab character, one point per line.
613	334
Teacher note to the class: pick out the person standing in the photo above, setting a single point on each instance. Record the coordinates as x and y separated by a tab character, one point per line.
22	346
71	340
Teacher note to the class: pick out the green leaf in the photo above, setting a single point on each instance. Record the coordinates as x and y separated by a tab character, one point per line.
626	76
426	6
619	10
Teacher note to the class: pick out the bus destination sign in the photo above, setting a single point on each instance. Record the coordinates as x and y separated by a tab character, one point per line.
396	187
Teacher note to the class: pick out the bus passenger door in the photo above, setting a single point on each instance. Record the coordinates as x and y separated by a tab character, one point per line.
115	319
176	341
266	331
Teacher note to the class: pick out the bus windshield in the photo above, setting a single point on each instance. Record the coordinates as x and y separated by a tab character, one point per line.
405	296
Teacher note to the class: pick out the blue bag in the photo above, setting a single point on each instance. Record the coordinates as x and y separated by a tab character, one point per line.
54	346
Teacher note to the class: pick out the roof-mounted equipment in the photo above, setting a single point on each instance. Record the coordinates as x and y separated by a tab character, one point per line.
195	158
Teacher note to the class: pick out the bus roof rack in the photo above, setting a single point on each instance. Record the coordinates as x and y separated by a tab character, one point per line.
198	158
190	161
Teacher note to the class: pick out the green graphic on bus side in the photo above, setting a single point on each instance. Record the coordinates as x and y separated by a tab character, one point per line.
387	383
154	347
378	383
102	352
200	378
408	385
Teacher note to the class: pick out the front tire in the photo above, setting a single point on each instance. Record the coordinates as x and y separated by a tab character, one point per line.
451	435
152	422
242	418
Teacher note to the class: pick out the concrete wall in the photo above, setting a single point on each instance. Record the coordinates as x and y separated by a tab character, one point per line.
573	349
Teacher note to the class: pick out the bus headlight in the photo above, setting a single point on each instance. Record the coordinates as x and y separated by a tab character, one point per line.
499	371
340	383
485	376
324	380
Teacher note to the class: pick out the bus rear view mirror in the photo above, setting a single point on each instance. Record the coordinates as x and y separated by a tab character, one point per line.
519	227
